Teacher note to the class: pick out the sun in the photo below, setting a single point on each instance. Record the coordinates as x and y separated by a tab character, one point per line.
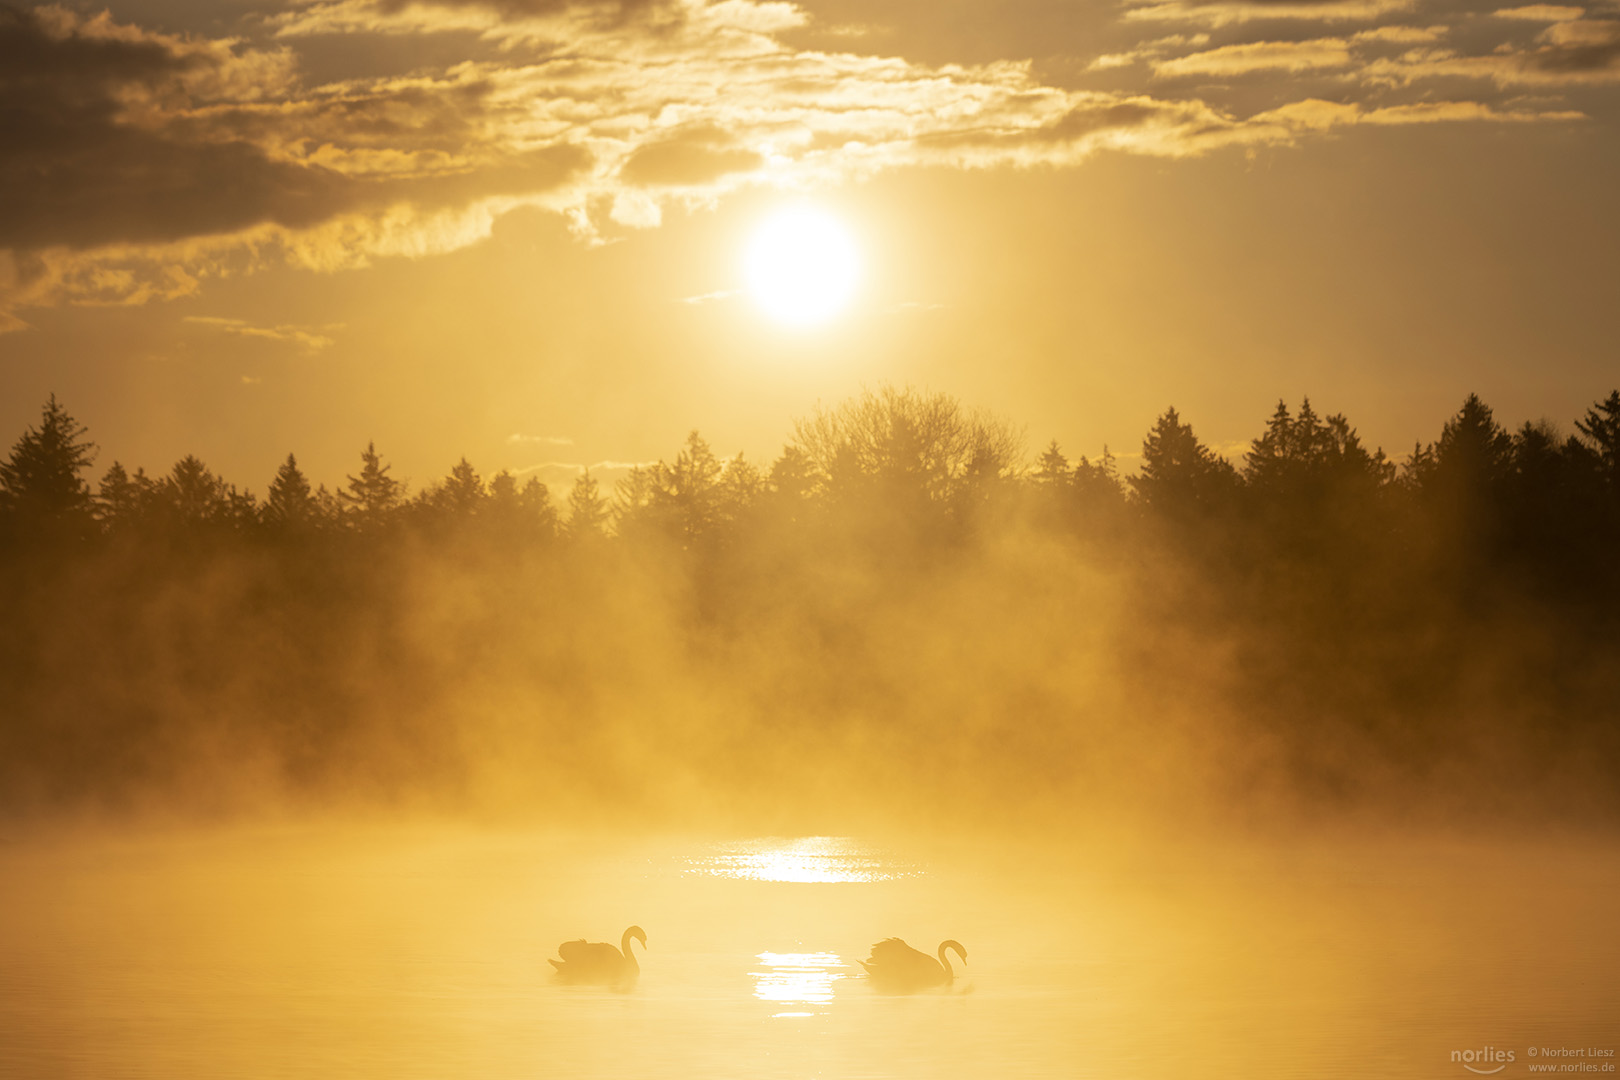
801	266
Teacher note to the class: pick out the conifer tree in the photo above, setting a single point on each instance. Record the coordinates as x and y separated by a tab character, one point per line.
588	511
40	482
1178	471
1600	432
373	495
290	503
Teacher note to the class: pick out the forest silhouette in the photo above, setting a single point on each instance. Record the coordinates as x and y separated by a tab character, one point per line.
900	615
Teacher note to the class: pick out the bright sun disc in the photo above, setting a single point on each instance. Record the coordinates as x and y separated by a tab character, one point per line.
801	266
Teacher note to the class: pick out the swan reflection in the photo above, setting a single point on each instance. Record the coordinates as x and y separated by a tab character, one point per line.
797	979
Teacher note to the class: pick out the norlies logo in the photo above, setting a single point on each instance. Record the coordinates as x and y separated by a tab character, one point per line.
1481	1061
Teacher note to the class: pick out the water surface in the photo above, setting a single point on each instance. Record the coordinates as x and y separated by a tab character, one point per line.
420	952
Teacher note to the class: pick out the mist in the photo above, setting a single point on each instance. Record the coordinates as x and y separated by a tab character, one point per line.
906	620
1301	763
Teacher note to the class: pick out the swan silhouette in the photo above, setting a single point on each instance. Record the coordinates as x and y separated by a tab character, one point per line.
598	962
897	968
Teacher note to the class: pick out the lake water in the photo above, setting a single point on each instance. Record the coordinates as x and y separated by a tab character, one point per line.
396	952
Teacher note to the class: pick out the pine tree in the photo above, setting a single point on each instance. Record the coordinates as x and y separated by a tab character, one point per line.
1600	433
290	504
462	494
40	482
520	515
195	494
119	498
1096	484
1052	468
1178	471
587	510
688	492
373	495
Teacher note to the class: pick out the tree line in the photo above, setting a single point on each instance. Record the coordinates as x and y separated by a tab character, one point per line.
901	587
914	462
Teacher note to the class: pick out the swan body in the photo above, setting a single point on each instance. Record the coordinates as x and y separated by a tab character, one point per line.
598	962
896	967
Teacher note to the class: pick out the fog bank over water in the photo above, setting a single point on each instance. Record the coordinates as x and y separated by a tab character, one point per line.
903	621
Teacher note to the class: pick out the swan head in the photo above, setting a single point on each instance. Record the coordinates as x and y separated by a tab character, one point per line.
952	944
635	932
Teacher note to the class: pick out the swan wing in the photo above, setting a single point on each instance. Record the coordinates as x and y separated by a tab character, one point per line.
589	954
896	967
896	955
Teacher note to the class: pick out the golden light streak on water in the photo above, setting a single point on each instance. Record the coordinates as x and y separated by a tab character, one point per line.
804	859
797	979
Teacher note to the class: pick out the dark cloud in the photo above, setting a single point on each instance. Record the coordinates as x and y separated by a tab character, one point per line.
90	183
1578	47
102	145
698	155
442	117
77	172
1089	118
77	68
608	11
521	8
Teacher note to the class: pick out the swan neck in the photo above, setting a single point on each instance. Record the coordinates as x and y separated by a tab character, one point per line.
945	962
624	947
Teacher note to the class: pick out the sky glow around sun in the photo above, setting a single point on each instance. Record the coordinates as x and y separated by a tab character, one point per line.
802	266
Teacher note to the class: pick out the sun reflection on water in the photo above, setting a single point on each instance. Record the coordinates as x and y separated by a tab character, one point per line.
797	979
813	859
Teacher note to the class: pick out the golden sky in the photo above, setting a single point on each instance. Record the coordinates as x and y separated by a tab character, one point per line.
515	230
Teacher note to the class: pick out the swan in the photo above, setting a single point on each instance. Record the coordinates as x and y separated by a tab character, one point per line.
896	967
599	962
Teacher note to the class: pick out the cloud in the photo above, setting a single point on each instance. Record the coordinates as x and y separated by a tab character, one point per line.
1318	115
89	158
539	21
1541	13
306	338
517	439
569	471
1582	52
1401	35
139	166
709	298
1580	47
1291	56
1219	13
689	157
1149	50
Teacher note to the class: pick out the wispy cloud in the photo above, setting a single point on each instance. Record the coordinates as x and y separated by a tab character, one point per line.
709	297
569	470
516	439
1219	13
1401	35
1541	13
1582	52
309	339
1149	50
1291	56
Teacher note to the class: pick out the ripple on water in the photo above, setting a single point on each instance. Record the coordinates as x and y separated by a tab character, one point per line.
801	979
810	859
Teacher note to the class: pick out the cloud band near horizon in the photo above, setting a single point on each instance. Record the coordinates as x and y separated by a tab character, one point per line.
140	164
